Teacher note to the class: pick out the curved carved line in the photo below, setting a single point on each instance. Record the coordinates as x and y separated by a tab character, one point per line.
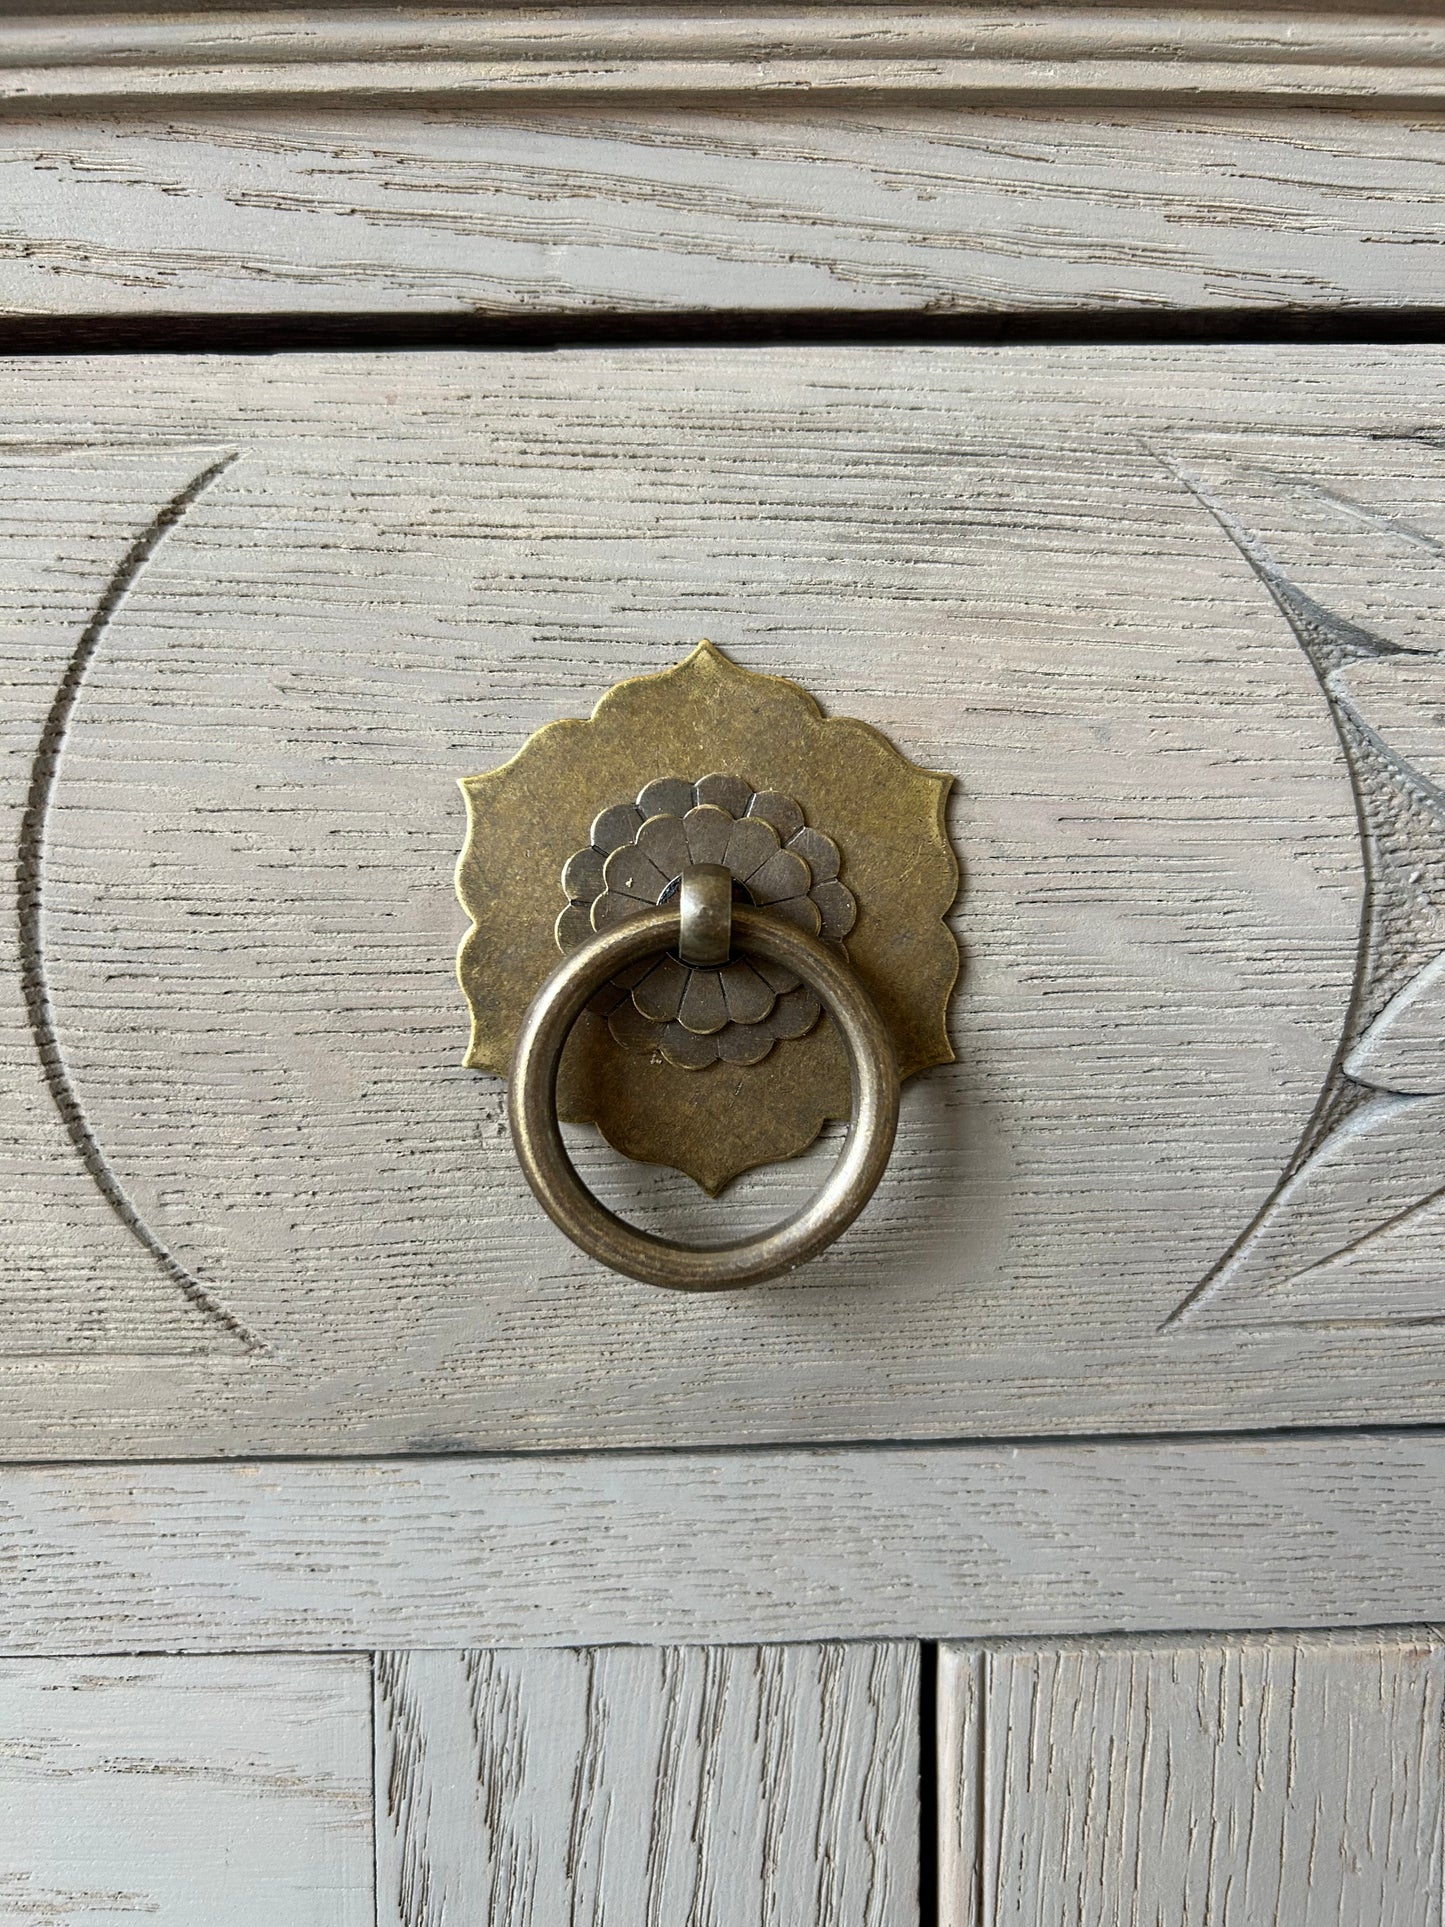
29	881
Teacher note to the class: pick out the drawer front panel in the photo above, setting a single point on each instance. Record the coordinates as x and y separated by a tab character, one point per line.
1167	617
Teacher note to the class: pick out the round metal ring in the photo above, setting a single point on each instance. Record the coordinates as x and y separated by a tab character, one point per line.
537	1135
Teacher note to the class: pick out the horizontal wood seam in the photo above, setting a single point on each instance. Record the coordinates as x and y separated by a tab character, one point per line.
544	331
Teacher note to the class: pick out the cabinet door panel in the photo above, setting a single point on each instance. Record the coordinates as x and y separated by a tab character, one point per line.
1217	1783
722	1786
230	1791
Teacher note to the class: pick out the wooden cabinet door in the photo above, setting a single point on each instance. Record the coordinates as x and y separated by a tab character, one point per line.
234	1789
1209	1782
721	1787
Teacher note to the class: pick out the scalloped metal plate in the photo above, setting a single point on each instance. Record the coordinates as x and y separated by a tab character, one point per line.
525	819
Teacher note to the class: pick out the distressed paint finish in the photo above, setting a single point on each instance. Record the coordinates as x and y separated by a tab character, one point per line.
854	207
231	1791
247	919
74	53
721	1787
258	617
1206	1783
943	1542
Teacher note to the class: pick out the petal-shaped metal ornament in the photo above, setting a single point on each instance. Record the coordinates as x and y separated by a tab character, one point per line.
819	852
836	907
615	826
748	998
730	793
775	976
703	1009
687	1051
795	1014
629	1028
613	907
750	844
737	761
779	810
783	875
582	877
744	1044
632	873
574	926
659	995
708	829
663	840
802	911
668	796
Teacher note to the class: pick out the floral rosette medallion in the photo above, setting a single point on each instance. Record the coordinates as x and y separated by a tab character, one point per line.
734	1013
820	821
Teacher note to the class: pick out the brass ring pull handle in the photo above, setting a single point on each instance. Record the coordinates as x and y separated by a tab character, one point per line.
702	920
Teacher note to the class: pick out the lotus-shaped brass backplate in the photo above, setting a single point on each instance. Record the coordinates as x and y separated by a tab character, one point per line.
820	820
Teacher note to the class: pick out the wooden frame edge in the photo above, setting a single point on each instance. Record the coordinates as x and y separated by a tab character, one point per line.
940	1542
71	56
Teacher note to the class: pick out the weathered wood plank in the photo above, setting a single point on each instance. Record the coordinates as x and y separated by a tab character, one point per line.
856	1543
782	206
231	1791
728	1786
1228	1782
1089	583
73	53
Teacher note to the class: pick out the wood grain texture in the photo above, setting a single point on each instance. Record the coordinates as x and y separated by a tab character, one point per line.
248	921
944	1542
1228	1782
711	1787
139	1308
231	1791
71	54
779	205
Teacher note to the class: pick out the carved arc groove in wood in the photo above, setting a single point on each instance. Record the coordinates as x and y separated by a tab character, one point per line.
29	883
1368	1161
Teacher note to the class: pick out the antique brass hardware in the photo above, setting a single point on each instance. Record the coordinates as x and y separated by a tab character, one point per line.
705	912
873	1072
746	953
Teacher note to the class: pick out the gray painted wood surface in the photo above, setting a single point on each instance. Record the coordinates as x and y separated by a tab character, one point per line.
687	1787
764	205
909	1543
64	52
409	159
1227	1782
234	1792
1146	604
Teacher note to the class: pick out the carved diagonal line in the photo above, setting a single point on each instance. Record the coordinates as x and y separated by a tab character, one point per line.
1401	819
29	878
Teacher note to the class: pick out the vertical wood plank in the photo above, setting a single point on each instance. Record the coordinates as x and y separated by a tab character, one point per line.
229	1791
662	1787
1217	1783
959	1739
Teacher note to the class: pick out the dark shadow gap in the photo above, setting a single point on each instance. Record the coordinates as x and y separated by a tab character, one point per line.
546	331
928	1782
